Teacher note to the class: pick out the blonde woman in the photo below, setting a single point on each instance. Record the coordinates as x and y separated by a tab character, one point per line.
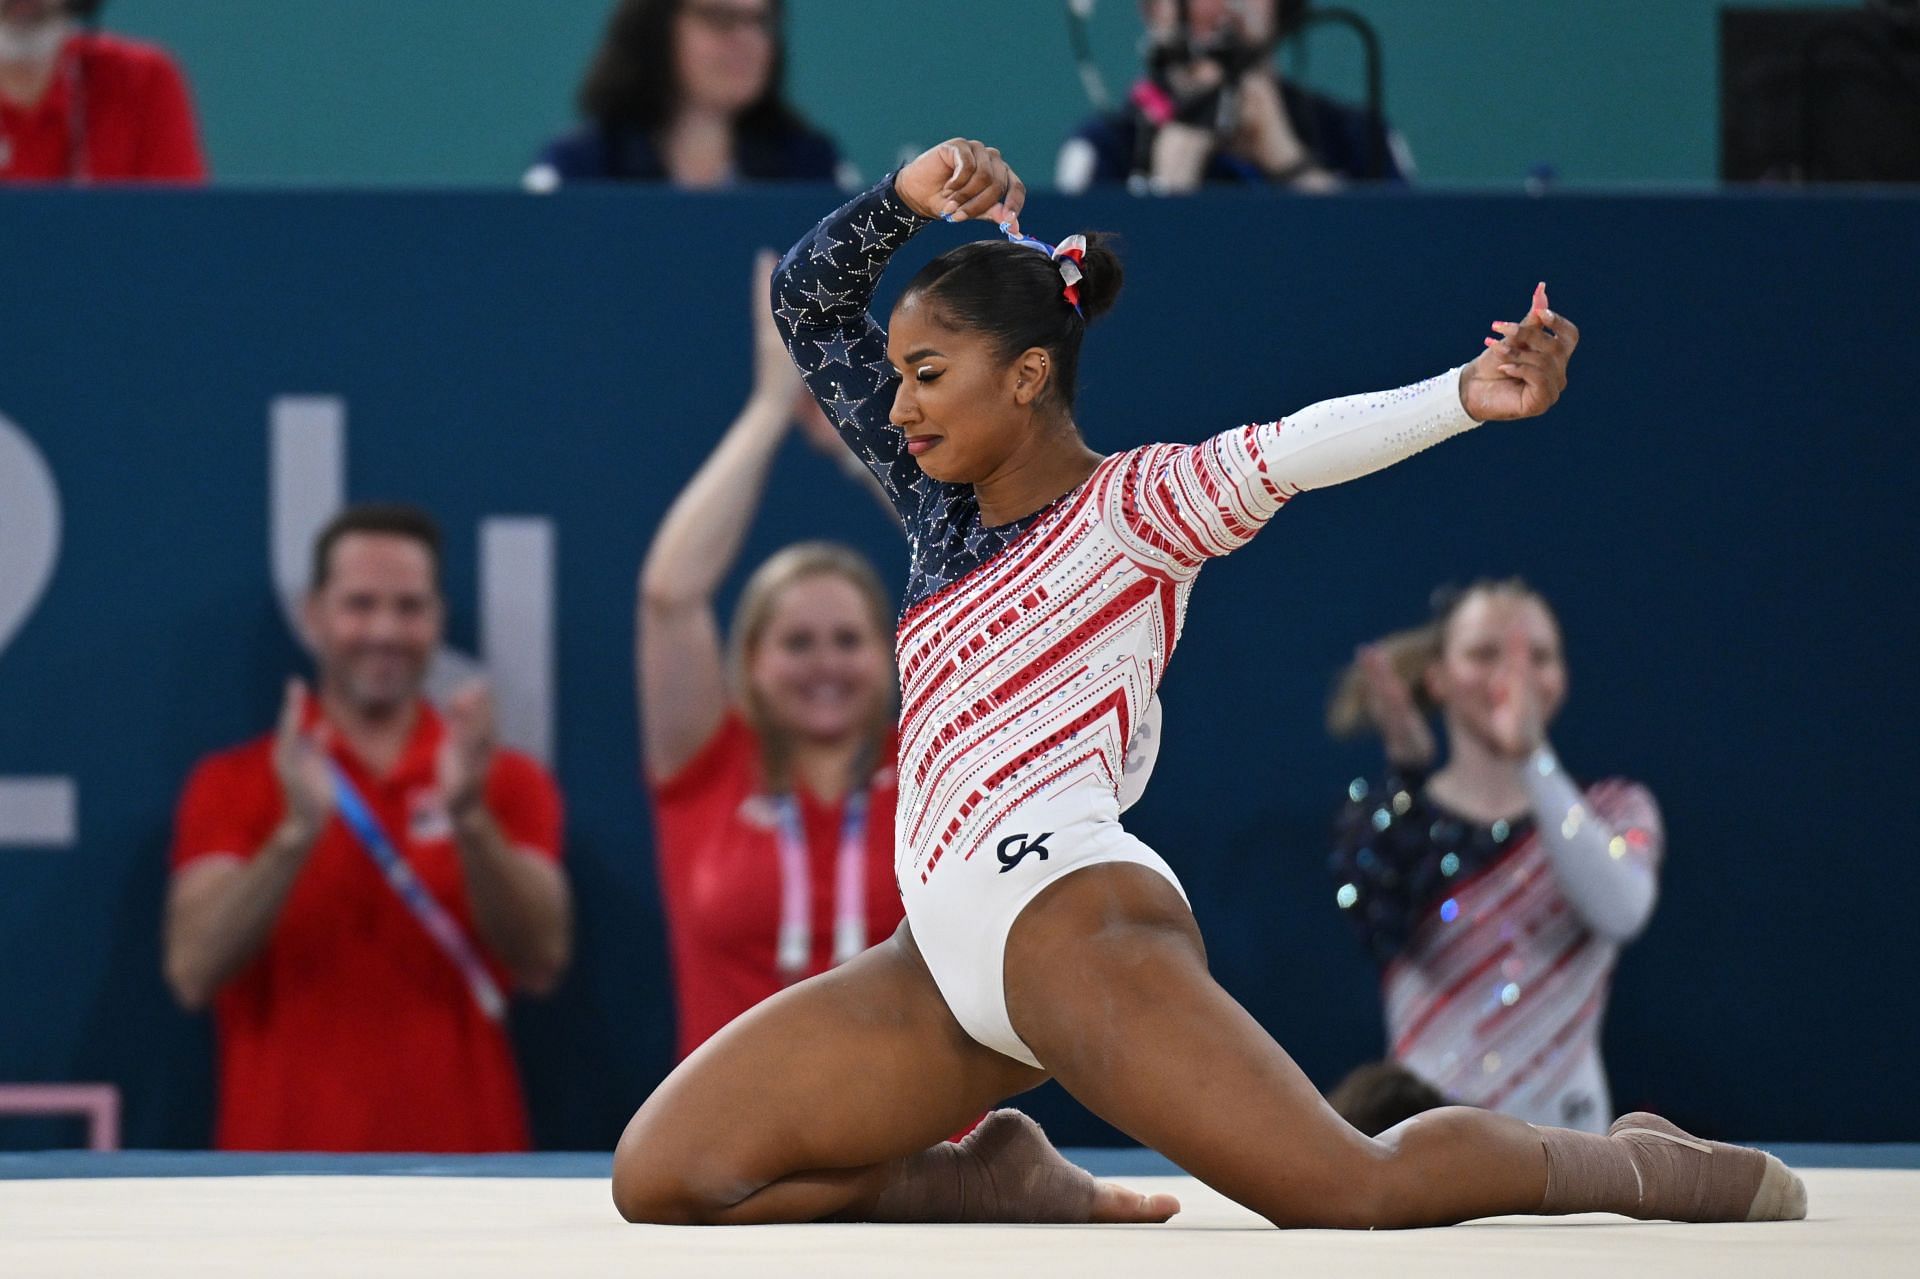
770	757
1494	892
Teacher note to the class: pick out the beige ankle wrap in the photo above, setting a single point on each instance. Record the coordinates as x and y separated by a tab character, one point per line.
1648	1168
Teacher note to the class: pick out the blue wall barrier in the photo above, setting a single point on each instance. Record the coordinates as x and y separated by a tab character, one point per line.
1720	509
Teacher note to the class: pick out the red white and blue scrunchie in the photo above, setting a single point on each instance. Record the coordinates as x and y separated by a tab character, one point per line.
1068	255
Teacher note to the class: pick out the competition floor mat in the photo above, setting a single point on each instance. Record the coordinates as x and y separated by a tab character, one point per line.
201	1215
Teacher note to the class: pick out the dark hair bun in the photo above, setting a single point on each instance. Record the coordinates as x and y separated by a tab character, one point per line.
1015	296
1101	274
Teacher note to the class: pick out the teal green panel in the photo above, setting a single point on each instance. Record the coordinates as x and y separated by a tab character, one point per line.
464	91
1626	91
374	90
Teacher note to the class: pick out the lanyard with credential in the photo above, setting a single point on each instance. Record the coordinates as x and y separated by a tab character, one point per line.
796	889
424	907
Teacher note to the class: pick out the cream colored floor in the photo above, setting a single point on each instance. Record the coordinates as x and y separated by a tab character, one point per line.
1862	1224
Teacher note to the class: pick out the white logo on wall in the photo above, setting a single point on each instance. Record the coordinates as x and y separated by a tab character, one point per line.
307	487
34	811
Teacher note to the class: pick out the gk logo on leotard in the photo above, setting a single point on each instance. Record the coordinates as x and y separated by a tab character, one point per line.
1014	849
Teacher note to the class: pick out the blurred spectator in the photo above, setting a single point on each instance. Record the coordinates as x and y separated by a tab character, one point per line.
353	892
688	92
1382	1094
79	106
1212	108
1494	892
771	765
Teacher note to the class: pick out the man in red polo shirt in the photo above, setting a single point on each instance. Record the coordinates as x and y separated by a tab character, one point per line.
343	1022
77	106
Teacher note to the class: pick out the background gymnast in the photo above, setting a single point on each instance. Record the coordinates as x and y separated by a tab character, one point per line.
1495	893
1047	588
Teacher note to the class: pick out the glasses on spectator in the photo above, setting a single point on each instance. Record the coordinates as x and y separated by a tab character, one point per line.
725	19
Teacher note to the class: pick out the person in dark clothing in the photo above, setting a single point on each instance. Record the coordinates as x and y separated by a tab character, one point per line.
688	92
1212	109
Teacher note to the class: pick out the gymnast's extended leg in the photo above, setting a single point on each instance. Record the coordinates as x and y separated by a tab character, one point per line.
1107	982
833	1099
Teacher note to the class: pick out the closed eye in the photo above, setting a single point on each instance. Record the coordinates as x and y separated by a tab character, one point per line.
926	373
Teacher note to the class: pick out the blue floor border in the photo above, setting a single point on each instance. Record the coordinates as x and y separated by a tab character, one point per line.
1102	1161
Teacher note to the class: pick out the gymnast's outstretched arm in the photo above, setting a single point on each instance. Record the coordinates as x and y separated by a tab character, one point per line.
1195	502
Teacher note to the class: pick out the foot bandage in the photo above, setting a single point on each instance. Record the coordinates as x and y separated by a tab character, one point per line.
1648	1168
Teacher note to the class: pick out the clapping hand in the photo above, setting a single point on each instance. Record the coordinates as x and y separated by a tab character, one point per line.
1391	707
300	762
1517	720
1524	370
466	752
775	379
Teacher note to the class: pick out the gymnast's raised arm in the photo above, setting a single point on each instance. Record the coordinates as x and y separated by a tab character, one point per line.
823	287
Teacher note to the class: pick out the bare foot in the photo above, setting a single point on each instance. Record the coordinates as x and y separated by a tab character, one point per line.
1117	1203
1026	1179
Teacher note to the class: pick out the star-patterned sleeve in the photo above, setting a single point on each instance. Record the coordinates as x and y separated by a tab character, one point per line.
1184	504
820	297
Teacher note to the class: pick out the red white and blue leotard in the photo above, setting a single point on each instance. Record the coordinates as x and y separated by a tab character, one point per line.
1030	653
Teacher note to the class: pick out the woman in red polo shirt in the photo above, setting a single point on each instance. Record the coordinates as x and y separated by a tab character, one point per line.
771	766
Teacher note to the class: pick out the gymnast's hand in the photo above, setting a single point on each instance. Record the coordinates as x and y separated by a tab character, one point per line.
1523	371
961	179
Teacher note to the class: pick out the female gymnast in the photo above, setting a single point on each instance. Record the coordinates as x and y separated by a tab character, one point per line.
1046	592
1495	893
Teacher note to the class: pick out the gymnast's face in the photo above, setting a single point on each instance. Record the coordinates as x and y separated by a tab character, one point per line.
375	621
820	668
1492	639
963	409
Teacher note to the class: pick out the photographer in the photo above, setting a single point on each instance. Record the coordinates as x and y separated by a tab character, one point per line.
1211	108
